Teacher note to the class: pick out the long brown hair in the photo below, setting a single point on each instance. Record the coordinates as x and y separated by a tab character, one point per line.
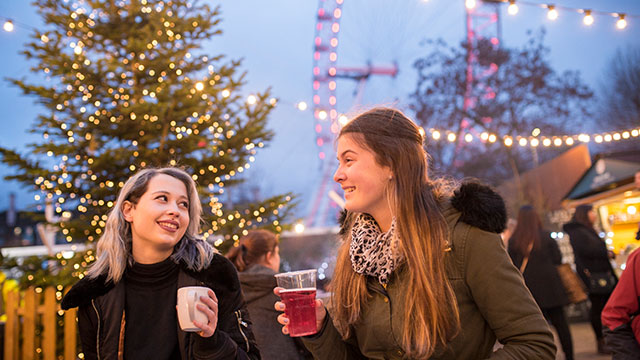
581	215
251	248
527	231
430	310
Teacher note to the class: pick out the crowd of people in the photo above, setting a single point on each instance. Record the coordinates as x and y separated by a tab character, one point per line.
421	271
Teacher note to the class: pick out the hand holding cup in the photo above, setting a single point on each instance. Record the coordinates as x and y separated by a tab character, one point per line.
303	313
283	319
197	308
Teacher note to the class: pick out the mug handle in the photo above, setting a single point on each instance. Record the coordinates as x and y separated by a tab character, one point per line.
192	304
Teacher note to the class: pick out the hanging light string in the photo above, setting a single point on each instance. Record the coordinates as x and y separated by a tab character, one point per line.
440	134
534	140
9	24
553	12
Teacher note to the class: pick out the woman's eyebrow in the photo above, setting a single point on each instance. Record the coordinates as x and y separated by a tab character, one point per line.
169	193
347	151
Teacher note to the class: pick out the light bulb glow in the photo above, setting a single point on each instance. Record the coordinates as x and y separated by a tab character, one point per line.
8	26
470	4
302	106
512	9
621	23
588	18
552	14
508	141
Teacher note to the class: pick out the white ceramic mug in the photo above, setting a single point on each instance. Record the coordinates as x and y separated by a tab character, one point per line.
188	298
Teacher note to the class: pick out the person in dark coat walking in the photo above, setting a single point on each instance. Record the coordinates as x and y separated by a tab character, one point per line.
592	257
257	259
536	254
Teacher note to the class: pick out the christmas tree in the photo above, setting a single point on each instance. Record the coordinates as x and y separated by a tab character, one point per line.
126	85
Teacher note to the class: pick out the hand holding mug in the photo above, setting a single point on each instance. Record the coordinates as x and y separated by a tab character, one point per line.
197	310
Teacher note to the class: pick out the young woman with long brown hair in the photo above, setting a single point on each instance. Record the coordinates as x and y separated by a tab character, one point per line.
422	271
536	254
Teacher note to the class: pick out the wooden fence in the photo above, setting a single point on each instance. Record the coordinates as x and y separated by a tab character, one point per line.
32	327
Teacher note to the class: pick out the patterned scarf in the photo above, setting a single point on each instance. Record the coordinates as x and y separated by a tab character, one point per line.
373	252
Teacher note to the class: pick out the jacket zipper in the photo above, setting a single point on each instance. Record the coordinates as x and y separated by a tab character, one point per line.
97	332
240	325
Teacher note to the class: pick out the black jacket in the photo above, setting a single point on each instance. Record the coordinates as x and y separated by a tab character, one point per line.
541	275
589	250
101	319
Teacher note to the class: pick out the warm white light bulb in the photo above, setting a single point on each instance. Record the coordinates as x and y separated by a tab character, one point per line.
621	23
8	26
302	106
588	18
470	4
552	14
512	9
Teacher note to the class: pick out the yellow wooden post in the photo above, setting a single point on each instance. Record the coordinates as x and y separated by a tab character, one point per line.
49	324
29	325
70	334
11	326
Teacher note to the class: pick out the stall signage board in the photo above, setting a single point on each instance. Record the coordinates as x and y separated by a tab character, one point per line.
605	174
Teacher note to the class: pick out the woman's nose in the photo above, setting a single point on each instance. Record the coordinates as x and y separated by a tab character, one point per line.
338	176
173	209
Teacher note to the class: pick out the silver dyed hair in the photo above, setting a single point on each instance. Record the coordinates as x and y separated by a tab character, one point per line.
114	246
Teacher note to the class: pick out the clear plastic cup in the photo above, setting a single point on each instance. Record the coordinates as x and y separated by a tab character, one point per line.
299	298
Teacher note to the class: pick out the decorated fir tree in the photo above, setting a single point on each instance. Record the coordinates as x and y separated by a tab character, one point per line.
126	85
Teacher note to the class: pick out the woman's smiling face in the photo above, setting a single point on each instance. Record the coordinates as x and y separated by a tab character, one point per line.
363	180
159	219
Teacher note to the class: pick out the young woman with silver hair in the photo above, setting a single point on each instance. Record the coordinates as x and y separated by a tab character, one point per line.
150	248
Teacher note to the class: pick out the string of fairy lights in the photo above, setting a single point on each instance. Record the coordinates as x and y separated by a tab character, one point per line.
533	140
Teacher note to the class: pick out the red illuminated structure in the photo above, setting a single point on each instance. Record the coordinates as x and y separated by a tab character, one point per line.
482	23
323	210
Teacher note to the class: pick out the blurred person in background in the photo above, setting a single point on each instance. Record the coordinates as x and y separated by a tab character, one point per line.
592	265
257	258
536	254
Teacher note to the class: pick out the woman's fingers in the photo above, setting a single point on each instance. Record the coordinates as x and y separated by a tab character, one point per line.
209	307
276	290
284	320
279	305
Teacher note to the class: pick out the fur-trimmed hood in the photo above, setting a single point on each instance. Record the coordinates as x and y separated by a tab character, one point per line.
473	203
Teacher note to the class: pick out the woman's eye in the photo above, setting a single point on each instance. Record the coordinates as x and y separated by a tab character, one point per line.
161	197
184	204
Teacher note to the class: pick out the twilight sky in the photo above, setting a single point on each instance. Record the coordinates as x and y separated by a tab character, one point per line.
275	38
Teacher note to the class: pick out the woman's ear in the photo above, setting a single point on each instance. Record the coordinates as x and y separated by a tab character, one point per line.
127	209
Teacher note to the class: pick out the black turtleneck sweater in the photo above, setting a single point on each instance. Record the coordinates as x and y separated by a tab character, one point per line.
150	311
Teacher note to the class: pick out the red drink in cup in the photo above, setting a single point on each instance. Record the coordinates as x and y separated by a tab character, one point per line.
301	310
299	297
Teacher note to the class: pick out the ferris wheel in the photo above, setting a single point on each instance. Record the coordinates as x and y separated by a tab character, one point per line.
363	55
